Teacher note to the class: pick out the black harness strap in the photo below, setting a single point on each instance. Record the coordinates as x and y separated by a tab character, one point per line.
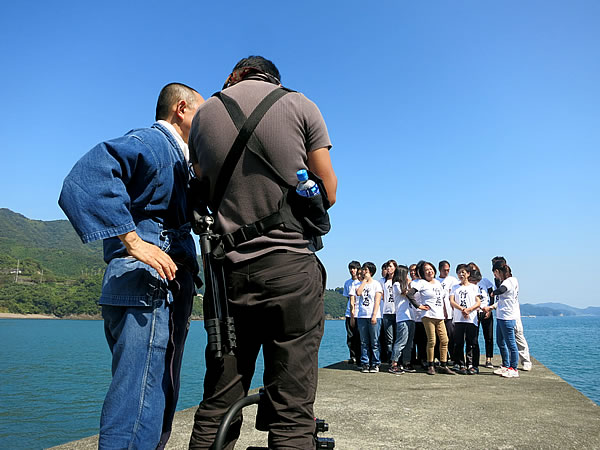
245	132
246	139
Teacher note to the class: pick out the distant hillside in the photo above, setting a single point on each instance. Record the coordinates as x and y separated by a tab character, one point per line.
335	303
557	309
54	244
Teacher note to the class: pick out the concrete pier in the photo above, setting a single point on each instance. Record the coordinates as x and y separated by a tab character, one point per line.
384	411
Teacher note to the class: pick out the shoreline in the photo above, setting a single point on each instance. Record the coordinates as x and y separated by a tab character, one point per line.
5	315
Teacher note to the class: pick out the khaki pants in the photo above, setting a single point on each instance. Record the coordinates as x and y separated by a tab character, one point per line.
433	327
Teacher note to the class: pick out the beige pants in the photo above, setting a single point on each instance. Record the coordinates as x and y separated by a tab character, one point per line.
433	327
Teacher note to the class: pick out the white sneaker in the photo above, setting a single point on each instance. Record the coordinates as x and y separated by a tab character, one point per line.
511	373
527	366
500	370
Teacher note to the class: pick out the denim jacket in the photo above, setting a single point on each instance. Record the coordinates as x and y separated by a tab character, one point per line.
135	182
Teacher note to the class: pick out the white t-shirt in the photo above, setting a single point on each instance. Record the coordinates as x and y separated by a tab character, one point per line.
404	309
466	297
448	284
417	314
347	285
388	305
484	285
508	303
366	301
432	295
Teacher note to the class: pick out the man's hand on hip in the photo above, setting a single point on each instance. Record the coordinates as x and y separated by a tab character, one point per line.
149	254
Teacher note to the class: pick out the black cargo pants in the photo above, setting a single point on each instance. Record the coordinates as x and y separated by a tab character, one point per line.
277	303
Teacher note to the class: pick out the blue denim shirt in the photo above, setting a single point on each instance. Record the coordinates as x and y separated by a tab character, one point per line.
135	182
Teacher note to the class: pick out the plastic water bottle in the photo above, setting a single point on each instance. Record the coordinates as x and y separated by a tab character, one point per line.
305	186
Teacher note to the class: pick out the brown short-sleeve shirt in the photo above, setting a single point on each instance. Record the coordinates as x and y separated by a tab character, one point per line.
291	129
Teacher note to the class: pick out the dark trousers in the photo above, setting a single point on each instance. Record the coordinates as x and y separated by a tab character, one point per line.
353	339
276	301
387	336
466	332
419	344
487	326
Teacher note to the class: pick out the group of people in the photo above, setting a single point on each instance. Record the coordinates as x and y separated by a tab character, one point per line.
409	316
246	144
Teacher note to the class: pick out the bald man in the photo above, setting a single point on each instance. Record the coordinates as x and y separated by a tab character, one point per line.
131	192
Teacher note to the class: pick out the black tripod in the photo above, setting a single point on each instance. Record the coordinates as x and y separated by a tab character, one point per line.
219	325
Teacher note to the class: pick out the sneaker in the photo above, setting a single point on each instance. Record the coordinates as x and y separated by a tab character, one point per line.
394	369
456	367
447	370
431	370
462	370
352	361
472	371
409	368
364	369
500	371
511	373
489	365
527	366
374	369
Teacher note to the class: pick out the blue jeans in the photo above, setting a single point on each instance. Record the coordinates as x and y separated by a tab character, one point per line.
369	341
505	338
405	332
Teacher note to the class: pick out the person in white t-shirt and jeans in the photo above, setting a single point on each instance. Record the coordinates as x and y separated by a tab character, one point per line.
368	297
508	311
522	345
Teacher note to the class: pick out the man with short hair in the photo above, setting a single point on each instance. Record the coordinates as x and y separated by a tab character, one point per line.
448	282
352	336
131	192
274	281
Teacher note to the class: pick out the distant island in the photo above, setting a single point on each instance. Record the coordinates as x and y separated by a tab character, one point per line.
46	270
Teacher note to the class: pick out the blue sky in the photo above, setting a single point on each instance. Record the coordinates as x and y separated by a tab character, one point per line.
461	130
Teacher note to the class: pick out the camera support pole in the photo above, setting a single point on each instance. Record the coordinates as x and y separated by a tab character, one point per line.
219	325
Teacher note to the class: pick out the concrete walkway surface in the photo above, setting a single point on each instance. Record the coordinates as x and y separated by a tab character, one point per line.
539	410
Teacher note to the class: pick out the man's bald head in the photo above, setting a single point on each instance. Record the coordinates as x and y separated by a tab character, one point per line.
170	95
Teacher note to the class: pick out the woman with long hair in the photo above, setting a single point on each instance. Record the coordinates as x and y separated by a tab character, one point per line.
419	348
405	322
388	311
508	311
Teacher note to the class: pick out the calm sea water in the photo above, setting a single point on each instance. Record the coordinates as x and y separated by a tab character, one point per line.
54	373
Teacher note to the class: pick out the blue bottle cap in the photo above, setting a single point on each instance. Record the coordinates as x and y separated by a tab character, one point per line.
302	175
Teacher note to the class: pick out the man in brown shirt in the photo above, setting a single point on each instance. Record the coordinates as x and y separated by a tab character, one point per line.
275	282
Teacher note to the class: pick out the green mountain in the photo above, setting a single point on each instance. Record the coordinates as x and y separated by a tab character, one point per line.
58	275
53	244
